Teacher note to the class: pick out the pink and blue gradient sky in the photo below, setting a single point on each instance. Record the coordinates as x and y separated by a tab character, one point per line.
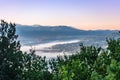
82	14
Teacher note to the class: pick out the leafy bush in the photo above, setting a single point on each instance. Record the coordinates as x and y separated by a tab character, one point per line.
91	63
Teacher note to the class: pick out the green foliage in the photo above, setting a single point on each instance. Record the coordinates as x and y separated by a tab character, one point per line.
91	63
78	66
16	65
114	48
35	67
10	54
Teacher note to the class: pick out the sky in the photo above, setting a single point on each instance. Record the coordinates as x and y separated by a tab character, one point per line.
82	14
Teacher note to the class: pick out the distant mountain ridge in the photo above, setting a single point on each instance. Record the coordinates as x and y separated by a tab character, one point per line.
53	31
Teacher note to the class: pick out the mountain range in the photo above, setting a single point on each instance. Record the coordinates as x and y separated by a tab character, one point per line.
55	31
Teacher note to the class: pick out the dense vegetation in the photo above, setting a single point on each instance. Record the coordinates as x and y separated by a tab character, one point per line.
91	63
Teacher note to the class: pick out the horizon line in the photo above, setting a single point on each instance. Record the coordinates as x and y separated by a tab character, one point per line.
38	25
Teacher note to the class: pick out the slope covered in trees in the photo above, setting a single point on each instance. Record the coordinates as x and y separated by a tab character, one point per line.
91	63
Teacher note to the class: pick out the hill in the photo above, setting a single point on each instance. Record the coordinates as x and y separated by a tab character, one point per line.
55	31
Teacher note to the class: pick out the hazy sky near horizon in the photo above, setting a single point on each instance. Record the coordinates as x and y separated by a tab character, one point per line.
82	14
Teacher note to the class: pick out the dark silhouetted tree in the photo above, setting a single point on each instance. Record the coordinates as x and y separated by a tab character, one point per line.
10	54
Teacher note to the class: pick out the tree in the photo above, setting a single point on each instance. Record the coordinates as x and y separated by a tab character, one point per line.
35	67
16	65
10	54
91	63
